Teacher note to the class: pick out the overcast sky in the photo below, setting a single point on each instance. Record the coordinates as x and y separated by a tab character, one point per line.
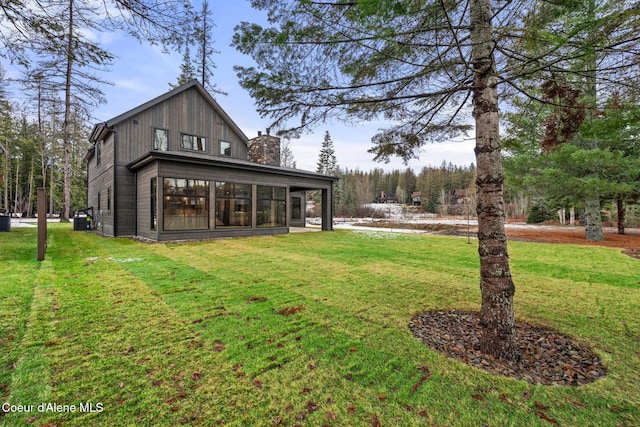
141	72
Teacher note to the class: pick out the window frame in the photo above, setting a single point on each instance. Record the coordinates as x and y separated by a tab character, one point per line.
296	207
271	206
185	201
154	140
195	142
234	198
223	152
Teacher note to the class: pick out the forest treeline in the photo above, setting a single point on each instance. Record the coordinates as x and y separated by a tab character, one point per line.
450	189
32	156
436	187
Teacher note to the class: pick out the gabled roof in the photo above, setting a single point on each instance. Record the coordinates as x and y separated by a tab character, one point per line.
101	130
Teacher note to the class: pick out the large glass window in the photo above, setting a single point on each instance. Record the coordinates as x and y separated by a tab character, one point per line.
225	148
296	208
271	206
192	142
160	139
186	204
233	205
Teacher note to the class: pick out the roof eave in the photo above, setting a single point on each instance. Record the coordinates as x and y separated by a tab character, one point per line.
89	154
221	162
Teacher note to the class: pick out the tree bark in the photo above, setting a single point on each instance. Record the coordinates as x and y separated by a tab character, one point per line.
496	284
7	182
66	169
572	216
620	206
51	207
15	194
592	219
30	193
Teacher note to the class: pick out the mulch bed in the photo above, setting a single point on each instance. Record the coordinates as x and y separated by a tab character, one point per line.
633	253
546	358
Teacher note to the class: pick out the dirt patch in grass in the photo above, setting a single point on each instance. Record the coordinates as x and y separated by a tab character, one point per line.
546	357
288	311
254	298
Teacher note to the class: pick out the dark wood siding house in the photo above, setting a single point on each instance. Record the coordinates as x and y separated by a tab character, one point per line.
177	167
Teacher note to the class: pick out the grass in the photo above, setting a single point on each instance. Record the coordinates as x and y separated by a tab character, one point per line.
300	329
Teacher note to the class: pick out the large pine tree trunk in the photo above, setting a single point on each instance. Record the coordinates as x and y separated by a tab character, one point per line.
496	285
592	219
66	168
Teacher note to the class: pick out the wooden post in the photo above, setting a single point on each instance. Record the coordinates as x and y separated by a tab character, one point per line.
42	223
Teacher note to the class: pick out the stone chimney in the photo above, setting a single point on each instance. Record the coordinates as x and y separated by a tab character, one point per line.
265	149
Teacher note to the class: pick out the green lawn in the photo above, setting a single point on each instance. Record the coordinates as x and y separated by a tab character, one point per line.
301	329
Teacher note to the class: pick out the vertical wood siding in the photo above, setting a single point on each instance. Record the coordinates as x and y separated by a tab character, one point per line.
187	112
99	180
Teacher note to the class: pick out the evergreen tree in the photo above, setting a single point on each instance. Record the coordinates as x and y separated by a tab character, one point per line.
187	70
204	56
327	161
328	164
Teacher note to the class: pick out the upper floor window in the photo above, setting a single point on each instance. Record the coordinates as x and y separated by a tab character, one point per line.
160	139
225	148
192	142
98	152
